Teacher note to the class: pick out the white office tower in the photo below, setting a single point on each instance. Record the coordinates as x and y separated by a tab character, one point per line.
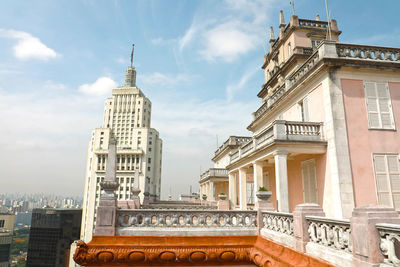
127	116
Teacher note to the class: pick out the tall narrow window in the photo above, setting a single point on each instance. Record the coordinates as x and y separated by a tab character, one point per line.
379	107
387	178
289	50
303	110
310	191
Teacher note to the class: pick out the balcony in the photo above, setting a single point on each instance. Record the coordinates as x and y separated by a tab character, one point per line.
214	173
281	131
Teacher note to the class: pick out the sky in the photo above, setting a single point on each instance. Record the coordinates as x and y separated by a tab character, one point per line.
199	62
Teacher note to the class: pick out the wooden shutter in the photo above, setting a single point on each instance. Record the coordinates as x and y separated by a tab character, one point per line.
310	191
385	108
394	175
379	107
372	105
382	181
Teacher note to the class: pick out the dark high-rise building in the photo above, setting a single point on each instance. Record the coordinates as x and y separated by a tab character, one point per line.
51	234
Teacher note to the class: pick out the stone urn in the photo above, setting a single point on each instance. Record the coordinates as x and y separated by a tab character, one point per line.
222	196
263	195
204	196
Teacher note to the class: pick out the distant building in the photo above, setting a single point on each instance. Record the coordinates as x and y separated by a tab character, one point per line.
51	234
6	234
127	117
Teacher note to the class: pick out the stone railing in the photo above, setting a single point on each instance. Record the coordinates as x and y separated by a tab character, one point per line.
390	242
331	233
186	218
307	129
278	221
214	172
313	23
281	130
232	140
368	52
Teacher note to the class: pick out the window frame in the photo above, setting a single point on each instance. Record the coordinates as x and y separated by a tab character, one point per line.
390	107
387	176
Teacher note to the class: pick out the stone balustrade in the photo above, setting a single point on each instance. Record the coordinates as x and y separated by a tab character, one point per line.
330	233
390	242
214	172
278	221
186	218
313	23
368	52
232	140
281	130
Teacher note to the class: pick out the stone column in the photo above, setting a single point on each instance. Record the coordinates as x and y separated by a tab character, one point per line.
232	190
300	225
242	189
281	177
365	236
258	178
211	195
107	209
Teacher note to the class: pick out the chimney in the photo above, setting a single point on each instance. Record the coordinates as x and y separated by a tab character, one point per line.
317	18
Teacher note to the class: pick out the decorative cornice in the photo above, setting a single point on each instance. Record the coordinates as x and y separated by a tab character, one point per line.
188	251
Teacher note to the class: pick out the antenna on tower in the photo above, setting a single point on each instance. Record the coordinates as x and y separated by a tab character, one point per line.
292	3
329	20
133	49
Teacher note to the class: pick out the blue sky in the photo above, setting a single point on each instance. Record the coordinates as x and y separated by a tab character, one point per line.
198	62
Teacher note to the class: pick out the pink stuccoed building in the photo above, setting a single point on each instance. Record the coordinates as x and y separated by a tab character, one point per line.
326	131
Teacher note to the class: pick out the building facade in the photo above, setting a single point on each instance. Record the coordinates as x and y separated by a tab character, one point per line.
214	181
6	236
326	131
127	117
51	234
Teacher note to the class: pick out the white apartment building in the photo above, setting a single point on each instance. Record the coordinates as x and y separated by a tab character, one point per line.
127	116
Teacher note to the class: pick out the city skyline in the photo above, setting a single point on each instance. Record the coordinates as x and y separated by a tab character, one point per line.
199	62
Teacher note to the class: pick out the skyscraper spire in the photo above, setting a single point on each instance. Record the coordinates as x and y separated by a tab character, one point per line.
133	49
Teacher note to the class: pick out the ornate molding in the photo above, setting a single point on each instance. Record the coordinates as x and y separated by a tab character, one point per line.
188	251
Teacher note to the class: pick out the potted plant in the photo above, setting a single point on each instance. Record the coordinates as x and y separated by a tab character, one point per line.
222	196
204	196
263	194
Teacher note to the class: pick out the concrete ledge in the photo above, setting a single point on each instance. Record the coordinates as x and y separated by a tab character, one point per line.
336	257
284	239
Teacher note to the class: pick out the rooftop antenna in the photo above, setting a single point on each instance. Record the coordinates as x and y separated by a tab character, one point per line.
329	20
292	3
133	49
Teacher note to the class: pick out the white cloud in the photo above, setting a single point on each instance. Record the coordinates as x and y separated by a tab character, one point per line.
102	86
227	35
228	41
157	78
54	85
28	46
187	38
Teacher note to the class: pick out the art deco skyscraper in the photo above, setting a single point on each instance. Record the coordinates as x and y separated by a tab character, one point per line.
127	116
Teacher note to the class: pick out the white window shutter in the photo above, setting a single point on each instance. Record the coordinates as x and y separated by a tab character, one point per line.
394	175
372	105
